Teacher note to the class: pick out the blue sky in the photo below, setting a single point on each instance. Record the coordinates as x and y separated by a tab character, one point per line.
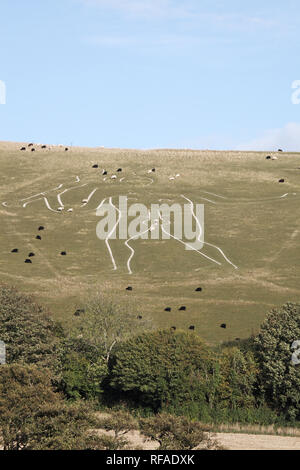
151	73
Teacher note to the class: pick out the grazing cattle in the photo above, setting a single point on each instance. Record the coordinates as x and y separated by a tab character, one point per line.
38	237
79	312
119	170
41	228
199	289
153	170
224	326
44	146
281	181
31	255
268	157
140	317
280	150
66	149
192	328
95	166
28	261
63	253
33	150
174	328
168	309
182	309
104	172
15	250
30	145
23	148
129	288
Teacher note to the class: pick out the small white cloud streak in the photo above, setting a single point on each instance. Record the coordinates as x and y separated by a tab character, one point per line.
286	138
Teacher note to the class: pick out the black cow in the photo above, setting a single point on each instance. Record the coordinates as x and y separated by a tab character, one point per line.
268	157
281	181
199	289
129	288
44	146
15	250
41	228
66	149
153	170
38	237
104	173
23	148
30	145
140	317
28	261
224	326
182	309
79	312
95	166
280	150
31	255
63	253
33	149
174	328
192	328
119	170
168	309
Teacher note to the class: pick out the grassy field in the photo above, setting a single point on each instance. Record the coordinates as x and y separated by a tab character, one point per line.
247	218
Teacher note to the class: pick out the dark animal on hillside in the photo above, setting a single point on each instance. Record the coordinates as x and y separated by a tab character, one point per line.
15	250
174	328
44	146
153	170
63	253
38	237
182	309
30	145
281	181
66	149
199	289
23	148
238	339
280	150
28	261
224	326
31	255
168	309
41	228
33	150
129	288
79	312
95	166
119	170
268	157
104	173
192	328
140	317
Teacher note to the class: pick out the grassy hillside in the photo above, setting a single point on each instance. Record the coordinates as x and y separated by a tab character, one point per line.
245	216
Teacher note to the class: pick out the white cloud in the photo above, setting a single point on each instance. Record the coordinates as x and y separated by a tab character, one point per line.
287	138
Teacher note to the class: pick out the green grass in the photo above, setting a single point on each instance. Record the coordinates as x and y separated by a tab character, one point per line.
256	229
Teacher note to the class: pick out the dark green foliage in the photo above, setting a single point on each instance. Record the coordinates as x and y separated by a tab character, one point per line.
279	378
30	335
165	367
82	370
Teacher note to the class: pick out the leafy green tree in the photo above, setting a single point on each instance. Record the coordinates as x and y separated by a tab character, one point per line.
177	433
163	368
28	331
82	370
33	416
238	376
279	377
104	324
